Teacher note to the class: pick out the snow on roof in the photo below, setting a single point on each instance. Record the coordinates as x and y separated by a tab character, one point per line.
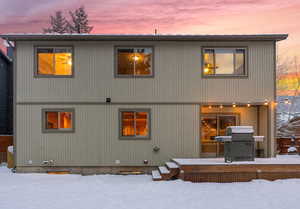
144	37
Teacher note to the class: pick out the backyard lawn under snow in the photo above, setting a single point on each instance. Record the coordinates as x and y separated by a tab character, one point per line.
43	191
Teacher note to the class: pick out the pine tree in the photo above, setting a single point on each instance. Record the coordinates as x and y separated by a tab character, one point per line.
79	22
58	24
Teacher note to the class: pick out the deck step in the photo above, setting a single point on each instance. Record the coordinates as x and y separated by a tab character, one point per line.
156	175
163	170
171	165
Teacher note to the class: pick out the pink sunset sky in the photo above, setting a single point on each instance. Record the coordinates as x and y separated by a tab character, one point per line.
169	16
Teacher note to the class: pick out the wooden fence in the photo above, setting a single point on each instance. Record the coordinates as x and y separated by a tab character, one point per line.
5	141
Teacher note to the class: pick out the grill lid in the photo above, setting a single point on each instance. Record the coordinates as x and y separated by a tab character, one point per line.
240	129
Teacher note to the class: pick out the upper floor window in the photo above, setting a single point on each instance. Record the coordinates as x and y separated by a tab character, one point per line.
54	61
224	61
58	120
134	61
134	123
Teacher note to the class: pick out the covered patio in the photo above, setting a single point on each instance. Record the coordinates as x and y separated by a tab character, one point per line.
216	118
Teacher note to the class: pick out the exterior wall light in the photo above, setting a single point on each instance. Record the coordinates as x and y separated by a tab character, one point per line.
287	101
233	104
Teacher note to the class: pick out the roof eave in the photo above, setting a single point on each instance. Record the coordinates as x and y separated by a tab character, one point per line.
95	37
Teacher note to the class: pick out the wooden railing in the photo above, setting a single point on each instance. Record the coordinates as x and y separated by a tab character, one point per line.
284	143
5	141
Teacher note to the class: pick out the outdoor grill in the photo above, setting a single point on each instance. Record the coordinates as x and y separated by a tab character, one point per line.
238	144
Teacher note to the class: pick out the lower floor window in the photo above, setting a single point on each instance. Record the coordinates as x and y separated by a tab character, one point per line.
58	120
134	123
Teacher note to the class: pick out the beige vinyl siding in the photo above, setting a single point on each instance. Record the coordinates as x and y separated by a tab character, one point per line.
177	75
175	130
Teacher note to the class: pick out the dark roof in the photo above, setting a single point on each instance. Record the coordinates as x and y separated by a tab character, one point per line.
142	37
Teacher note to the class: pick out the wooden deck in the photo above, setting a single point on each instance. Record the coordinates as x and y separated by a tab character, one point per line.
216	170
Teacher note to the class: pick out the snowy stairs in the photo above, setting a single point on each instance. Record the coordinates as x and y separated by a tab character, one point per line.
167	172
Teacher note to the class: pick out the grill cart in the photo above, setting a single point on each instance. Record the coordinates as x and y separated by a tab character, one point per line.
239	144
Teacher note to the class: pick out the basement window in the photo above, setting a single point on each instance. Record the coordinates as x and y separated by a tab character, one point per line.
135	123
55	120
134	62
224	62
54	61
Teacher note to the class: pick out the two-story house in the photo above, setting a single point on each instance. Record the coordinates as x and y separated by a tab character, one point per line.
109	101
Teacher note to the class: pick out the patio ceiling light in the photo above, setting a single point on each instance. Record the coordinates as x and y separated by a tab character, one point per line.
233	104
248	104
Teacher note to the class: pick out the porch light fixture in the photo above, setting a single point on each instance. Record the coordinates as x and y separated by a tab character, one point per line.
266	102
248	104
233	104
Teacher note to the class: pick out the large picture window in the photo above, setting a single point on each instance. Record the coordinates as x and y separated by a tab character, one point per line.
54	61
135	123
224	61
134	61
55	120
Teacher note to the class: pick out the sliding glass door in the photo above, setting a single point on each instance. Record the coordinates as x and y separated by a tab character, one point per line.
215	124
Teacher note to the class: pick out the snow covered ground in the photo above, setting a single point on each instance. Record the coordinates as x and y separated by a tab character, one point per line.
43	191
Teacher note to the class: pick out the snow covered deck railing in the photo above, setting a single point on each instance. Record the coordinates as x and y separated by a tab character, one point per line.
279	160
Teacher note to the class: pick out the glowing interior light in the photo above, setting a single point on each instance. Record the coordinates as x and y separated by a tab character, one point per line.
206	70
69	62
286	101
221	106
136	58
209	106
